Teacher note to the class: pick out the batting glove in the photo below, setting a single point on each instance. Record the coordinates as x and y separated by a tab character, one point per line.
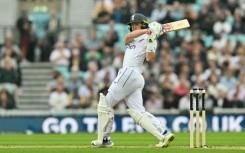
156	30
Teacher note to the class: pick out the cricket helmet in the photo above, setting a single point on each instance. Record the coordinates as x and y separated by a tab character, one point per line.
138	18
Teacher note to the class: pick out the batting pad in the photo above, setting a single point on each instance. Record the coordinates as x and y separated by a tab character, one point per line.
145	122
105	114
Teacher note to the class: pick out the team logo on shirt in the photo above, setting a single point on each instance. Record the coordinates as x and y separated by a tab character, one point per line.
130	46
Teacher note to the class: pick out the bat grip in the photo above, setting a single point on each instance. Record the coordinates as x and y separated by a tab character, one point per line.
148	32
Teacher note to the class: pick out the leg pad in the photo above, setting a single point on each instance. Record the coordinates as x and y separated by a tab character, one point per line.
146	123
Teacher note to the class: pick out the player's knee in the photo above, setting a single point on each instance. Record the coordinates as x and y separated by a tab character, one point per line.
111	102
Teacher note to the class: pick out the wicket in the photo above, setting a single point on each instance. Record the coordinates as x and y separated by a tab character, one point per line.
194	94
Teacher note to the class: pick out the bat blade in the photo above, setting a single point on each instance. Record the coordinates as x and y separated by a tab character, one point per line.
172	26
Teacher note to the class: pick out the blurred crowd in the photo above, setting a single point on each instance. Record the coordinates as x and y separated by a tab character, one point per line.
210	55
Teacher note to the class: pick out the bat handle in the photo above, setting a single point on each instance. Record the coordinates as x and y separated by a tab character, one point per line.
148	32
166	27
163	30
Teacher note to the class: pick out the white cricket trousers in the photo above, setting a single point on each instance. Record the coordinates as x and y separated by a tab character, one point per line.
128	85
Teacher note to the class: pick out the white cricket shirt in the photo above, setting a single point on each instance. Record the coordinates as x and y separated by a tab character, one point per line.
135	53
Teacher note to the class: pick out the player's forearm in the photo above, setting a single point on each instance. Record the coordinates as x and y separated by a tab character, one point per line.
130	37
150	50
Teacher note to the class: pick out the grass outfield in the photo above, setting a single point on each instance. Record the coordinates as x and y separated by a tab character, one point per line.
124	143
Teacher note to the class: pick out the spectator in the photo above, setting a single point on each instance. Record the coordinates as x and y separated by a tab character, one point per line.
182	60
38	51
168	75
117	13
219	43
215	6
199	83
80	44
58	99
10	49
45	49
105	84
118	59
222	100
92	72
132	9
145	7
107	71
7	100
150	68
242	80
74	82
205	20
24	26
168	18
213	68
214	88
151	86
185	70
93	55
197	72
92	42
222	27
74	60
236	97
74	100
228	80
238	27
159	12
166	85
121	107
177	11
184	104
58	78
88	92
154	103
53	28
169	102
32	54
108	42
102	12
182	88
8	84
232	5
60	56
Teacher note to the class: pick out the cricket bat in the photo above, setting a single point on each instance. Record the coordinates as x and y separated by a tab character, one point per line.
172	26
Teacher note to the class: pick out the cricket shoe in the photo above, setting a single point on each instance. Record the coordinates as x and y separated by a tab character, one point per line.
107	143
167	139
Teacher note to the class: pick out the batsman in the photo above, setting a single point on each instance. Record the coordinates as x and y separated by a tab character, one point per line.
140	44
